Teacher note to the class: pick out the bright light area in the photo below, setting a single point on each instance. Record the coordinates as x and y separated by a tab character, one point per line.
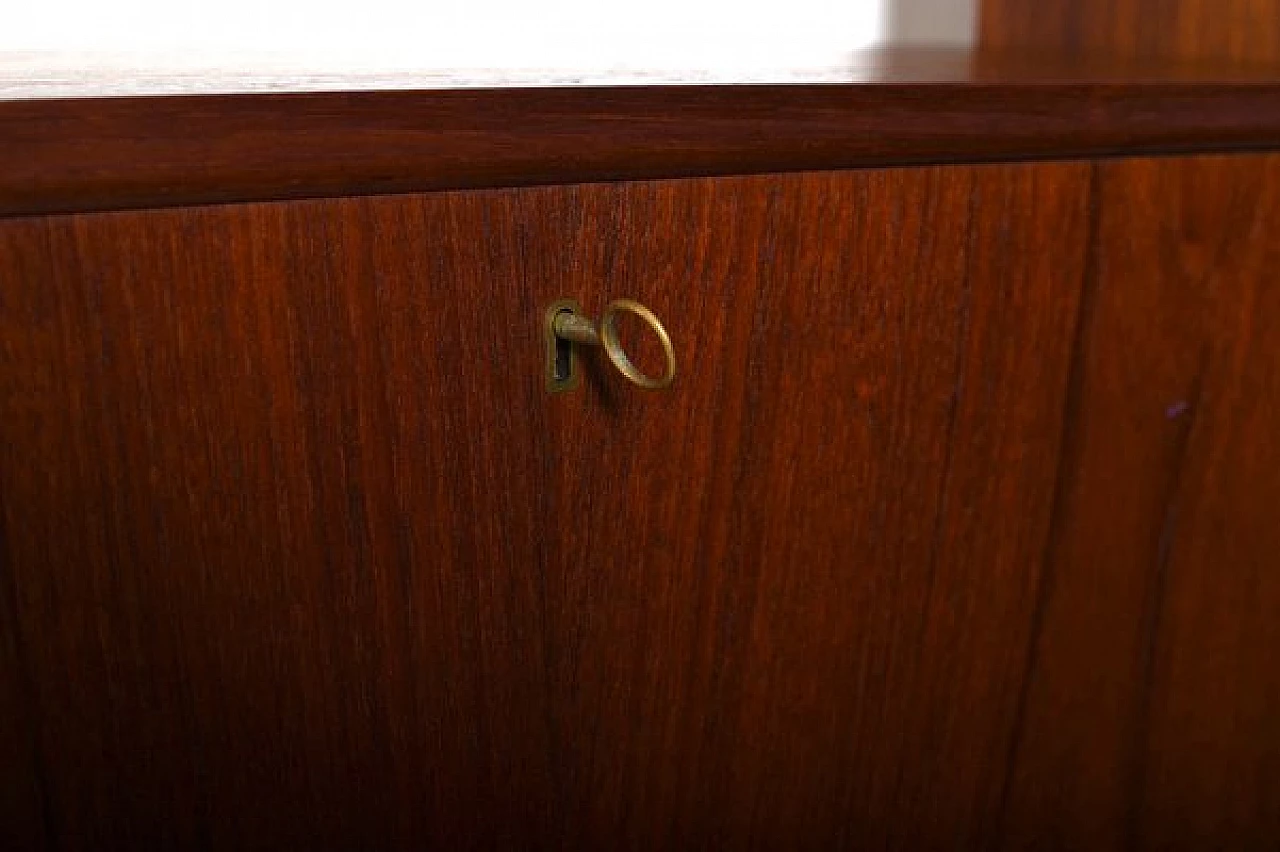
392	34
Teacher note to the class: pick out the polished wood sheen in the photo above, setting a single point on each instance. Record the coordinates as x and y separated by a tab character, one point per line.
1152	713
299	551
1246	31
955	530
896	107
788	587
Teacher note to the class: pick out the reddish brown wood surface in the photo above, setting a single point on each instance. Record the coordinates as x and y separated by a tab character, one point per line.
922	550
300	552
1241	30
896	107
786	588
1152	716
21	796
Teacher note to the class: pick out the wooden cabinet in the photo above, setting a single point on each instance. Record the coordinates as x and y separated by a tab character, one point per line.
956	530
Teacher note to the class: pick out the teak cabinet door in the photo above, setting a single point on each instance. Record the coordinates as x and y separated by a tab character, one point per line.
298	550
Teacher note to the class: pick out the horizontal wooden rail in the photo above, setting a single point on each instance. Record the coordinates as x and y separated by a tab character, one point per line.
115	153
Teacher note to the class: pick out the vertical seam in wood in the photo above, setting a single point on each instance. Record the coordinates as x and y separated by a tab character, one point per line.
957	384
1152	612
1068	451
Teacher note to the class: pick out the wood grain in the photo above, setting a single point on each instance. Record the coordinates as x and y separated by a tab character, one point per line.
275	588
955	531
301	554
115	153
1245	31
22	813
1152	718
786	592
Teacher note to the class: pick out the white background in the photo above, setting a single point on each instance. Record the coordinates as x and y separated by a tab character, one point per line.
393	34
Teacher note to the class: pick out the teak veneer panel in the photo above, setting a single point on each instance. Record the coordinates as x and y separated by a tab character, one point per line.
299	552
955	530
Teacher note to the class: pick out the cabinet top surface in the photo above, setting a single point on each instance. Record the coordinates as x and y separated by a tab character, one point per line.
884	107
26	75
